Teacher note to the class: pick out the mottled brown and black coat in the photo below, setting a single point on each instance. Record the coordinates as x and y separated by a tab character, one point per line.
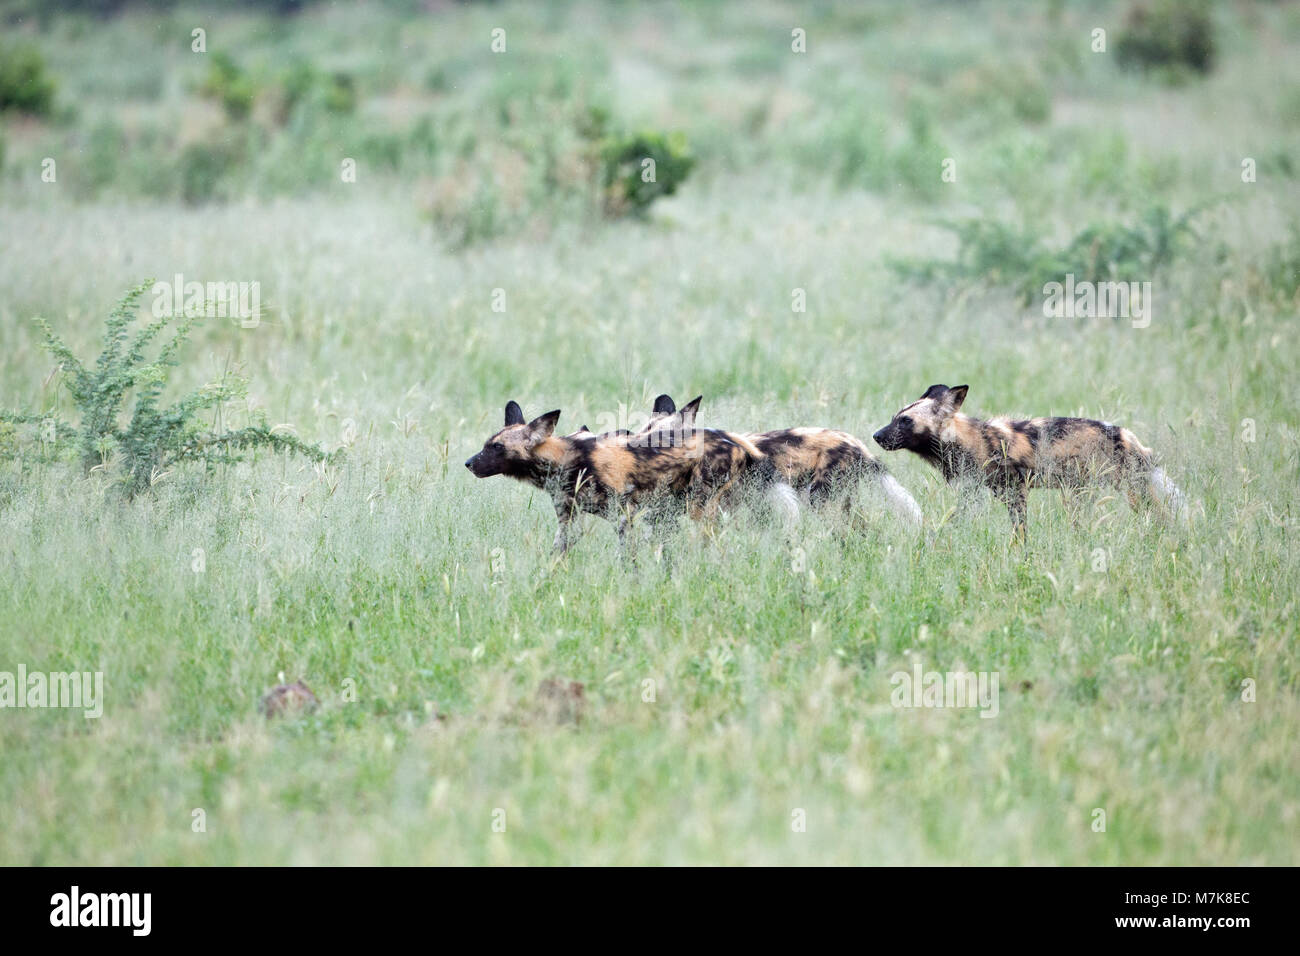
617	474
821	463
1010	456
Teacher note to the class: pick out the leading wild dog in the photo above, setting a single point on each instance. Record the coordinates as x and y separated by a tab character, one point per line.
821	463
1010	456
620	473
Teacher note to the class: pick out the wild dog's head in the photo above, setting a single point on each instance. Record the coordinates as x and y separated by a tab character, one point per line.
664	409
667	421
917	427
510	451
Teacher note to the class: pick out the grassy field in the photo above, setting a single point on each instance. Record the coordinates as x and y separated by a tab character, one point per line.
1121	643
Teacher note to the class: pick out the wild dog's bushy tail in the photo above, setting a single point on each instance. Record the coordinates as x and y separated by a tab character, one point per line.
1168	494
899	499
785	500
761	478
1160	486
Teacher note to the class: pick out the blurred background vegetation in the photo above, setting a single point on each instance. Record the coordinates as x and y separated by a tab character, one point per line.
520	173
554	128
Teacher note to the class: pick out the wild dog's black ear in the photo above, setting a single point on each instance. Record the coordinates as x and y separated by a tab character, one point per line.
936	391
514	414
584	430
664	405
957	395
690	410
540	428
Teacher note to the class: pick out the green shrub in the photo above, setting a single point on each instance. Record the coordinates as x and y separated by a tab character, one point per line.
340	93
1001	254
156	438
551	162
302	83
24	85
1168	34
229	85
629	180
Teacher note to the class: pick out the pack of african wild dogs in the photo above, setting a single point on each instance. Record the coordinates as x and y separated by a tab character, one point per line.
672	466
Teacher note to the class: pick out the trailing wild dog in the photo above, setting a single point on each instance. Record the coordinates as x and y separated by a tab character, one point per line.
668	423
820	462
1010	456
619	473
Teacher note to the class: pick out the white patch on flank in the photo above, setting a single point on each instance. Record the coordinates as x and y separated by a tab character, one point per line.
1168	493
903	502
786	500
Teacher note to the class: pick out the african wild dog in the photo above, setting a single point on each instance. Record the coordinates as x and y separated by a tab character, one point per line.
619	472
1010	455
667	423
821	463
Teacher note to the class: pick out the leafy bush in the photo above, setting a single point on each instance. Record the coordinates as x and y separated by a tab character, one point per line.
532	162
1168	34
156	438
24	85
1004	255
340	93
302	83
229	85
637	169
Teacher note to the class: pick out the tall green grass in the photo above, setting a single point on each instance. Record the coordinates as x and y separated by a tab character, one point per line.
434	595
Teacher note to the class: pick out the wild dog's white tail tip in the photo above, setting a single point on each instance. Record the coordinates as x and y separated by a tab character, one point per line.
1169	494
902	502
785	500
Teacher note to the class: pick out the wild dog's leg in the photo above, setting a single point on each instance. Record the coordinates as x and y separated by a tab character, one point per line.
1014	493
627	534
1073	503
820	489
624	522
1136	489
660	543
562	542
564	514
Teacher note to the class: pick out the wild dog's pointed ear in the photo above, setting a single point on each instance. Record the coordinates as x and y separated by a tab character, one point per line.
690	410
664	405
584	430
540	428
514	414
957	395
936	391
